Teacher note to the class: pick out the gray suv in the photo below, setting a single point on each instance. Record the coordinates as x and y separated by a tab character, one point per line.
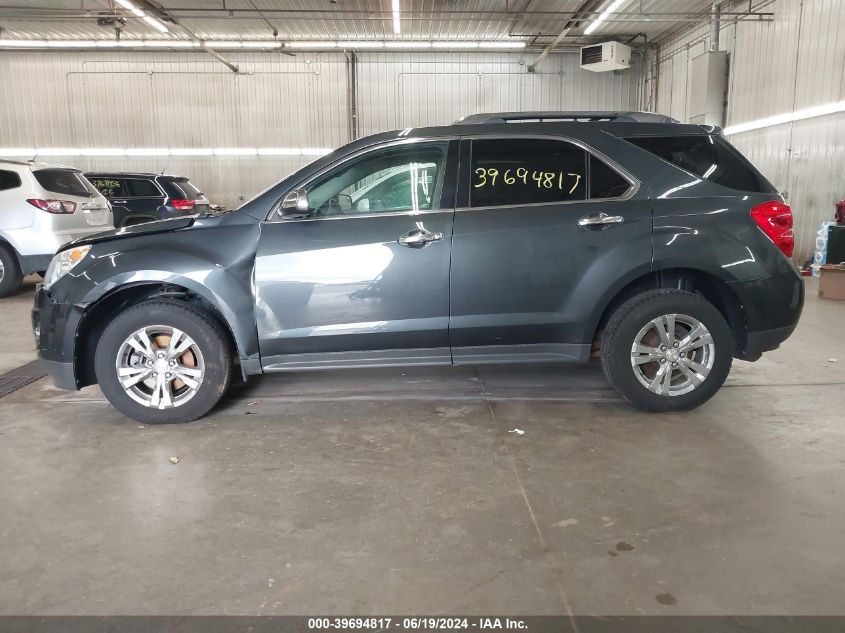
511	237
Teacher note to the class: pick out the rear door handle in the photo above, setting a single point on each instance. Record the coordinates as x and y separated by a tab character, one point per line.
599	220
418	238
118	201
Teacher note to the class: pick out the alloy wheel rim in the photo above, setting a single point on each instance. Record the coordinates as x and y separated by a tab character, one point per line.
2	271
673	354
160	367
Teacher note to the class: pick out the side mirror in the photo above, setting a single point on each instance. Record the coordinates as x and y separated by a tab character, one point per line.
295	205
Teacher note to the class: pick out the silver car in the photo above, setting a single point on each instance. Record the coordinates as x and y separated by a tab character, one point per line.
43	207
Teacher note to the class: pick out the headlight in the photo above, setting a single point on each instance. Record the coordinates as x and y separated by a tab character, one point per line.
63	262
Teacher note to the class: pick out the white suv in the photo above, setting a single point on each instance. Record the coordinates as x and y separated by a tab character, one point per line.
43	207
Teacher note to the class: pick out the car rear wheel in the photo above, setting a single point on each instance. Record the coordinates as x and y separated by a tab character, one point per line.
163	362
10	272
667	350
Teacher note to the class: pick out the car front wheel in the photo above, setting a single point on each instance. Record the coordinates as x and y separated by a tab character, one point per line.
667	350
161	362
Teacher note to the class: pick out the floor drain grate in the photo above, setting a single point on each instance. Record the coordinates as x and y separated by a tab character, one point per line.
20	377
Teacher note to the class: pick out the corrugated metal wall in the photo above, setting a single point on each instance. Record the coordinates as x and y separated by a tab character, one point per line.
415	89
791	63
185	100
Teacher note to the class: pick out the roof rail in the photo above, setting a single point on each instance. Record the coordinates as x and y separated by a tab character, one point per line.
548	117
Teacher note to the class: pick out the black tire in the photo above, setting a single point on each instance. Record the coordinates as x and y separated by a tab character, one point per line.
634	314
206	332
10	273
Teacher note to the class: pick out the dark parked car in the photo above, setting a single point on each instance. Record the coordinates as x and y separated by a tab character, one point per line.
137	198
479	242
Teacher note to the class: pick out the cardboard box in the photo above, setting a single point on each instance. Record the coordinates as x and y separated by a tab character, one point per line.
832	282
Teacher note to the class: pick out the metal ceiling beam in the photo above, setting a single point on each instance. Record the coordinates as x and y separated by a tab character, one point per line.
233	67
586	8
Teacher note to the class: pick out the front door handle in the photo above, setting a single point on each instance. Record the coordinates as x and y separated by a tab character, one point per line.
418	238
599	220
118	201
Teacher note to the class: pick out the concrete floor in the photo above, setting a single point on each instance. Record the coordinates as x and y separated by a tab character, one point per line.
406	491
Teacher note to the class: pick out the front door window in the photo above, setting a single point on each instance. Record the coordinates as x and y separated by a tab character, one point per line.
394	179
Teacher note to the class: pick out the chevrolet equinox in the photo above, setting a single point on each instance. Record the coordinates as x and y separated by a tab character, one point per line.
503	238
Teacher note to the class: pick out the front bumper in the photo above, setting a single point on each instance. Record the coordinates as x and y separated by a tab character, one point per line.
55	326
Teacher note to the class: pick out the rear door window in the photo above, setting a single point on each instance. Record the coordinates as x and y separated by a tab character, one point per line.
65	181
9	180
707	156
138	188
109	187
520	171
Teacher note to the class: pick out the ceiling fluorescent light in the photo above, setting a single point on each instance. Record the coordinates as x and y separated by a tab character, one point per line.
312	44
279	151
102	151
603	16
397	27
191	151
788	117
229	44
17	151
401	44
267	44
235	151
502	44
361	44
23	43
131	7
167	43
447	44
147	151
156	24
71	43
58	151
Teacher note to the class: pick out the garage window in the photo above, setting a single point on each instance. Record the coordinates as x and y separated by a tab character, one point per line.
508	172
9	180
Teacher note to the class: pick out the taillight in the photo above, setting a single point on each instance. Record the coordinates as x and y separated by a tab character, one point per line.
182	204
53	206
775	220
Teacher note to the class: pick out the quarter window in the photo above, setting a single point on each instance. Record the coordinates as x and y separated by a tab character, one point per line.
9	180
518	171
606	182
142	189
707	156
394	179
